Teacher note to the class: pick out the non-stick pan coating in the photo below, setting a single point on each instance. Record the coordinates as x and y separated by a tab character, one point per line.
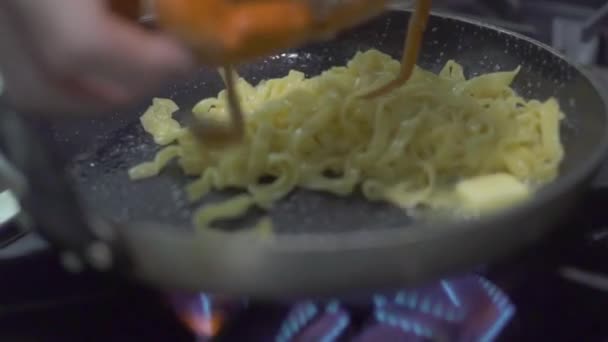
100	166
101	150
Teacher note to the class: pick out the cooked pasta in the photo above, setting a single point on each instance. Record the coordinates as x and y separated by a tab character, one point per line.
410	147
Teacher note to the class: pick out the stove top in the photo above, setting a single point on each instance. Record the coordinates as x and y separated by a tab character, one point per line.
468	308
551	291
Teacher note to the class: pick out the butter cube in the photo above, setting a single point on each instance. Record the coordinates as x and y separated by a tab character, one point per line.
490	193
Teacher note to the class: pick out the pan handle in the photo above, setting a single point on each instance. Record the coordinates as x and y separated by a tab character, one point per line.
582	260
578	251
31	169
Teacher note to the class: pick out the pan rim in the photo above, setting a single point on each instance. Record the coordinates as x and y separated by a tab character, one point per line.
302	241
255	252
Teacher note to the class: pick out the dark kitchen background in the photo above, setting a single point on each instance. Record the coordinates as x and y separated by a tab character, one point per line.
556	23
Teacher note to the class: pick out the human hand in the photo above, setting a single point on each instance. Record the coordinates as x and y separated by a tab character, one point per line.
74	56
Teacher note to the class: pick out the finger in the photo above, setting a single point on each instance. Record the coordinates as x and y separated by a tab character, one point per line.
108	93
41	66
118	54
92	50
137	58
26	87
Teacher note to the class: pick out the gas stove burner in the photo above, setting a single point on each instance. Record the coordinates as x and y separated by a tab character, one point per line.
206	315
468	308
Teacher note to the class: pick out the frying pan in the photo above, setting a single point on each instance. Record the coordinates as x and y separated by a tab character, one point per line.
79	197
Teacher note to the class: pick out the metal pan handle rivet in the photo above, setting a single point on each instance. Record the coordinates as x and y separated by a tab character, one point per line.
99	256
71	262
102	229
